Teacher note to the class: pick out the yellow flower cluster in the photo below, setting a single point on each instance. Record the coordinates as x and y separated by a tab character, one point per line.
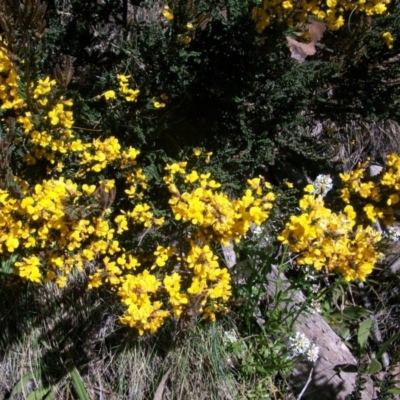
331	241
9	97
333	12
43	87
382	193
196	285
129	94
49	135
214	216
143	314
66	224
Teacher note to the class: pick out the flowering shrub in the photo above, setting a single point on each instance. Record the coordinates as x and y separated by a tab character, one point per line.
67	222
60	213
333	12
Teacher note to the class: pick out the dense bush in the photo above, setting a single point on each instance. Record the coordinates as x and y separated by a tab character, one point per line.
137	140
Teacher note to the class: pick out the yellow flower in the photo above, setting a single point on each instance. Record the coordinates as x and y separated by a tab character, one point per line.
388	38
61	281
287	5
186	39
88	189
110	94
309	189
380	9
167	14
29	269
157	104
12	243
393	199
123	78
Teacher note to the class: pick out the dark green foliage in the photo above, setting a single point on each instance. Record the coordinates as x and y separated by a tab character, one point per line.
230	90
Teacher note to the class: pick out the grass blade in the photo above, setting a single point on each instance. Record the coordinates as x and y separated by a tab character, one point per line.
40	394
78	384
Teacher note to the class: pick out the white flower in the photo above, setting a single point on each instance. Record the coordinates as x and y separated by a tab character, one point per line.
393	233
315	288
312	353
299	344
257	230
231	336
323	184
316	306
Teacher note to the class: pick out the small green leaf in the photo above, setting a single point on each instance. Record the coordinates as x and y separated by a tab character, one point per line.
355	313
363	332
374	367
394	390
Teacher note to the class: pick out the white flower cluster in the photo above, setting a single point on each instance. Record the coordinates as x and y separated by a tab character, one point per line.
301	345
322	184
231	336
393	233
312	353
259	235
314	307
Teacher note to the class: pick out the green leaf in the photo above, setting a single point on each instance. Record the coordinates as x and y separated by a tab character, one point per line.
39	394
394	390
374	367
355	313
386	345
7	266
341	329
78	384
363	332
21	385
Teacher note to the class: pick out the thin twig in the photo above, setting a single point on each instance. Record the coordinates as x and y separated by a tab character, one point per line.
87	129
306	385
348	23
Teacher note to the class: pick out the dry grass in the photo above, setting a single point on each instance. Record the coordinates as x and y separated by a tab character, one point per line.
47	330
356	140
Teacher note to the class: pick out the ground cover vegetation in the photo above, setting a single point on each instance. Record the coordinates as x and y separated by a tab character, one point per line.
140	140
